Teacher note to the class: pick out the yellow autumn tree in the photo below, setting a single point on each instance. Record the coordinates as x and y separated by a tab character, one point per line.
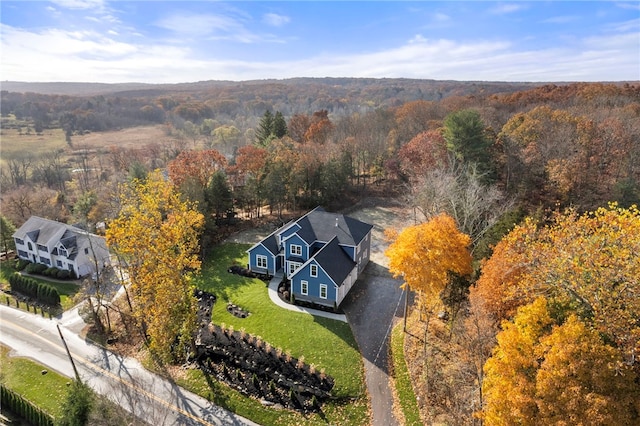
426	255
542	372
509	385
156	235
588	263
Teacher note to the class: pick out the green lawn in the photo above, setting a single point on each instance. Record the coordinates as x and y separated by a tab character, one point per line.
328	344
25	377
404	389
67	289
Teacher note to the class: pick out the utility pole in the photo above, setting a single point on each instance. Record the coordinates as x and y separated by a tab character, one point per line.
75	370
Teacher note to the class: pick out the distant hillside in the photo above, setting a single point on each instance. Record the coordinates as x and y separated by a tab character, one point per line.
386	87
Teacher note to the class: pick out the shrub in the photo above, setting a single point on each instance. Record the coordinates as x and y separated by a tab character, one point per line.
21	264
50	272
63	274
31	268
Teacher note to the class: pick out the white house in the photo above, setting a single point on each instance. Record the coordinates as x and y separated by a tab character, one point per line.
61	246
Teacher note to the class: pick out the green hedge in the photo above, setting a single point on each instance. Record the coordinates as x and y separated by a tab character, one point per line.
47	271
24	408
43	293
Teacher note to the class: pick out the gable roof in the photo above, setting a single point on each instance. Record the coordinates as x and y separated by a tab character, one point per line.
40	230
334	261
320	225
48	232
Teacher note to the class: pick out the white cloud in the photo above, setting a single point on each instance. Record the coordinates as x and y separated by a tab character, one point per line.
198	25
559	19
507	8
275	20
79	4
441	17
61	55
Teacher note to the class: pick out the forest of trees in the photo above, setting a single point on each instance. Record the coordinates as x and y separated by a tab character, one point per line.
524	298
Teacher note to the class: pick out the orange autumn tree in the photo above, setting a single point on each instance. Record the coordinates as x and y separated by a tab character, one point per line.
156	237
197	165
589	264
426	256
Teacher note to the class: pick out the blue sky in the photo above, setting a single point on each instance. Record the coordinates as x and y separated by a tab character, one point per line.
184	41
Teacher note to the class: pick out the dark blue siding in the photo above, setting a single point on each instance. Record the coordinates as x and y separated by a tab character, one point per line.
294	239
304	274
253	263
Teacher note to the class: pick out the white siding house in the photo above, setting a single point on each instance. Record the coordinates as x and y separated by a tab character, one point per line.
61	246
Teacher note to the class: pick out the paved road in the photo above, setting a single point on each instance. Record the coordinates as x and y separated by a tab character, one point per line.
148	396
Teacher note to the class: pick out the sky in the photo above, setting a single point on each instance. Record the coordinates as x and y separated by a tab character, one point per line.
188	41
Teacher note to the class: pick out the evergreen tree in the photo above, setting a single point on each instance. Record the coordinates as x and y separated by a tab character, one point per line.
77	406
6	234
265	129
218	195
466	138
279	125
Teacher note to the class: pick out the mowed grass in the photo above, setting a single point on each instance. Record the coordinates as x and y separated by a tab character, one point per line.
325	343
402	380
25	377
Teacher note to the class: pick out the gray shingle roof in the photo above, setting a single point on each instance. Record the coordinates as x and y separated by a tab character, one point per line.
335	261
319	225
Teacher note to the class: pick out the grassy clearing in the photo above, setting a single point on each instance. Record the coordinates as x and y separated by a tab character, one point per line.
25	377
15	144
404	389
327	344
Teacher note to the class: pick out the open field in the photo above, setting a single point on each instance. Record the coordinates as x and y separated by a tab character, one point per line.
15	143
134	137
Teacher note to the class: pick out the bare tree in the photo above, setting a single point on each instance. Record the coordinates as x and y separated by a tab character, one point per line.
460	192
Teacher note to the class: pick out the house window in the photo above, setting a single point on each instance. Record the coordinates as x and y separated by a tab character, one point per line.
304	287
23	254
62	251
86	251
43	248
296	250
314	270
19	241
30	246
59	263
45	261
261	261
323	291
293	266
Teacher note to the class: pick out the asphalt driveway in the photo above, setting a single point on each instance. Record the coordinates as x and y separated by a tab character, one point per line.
372	307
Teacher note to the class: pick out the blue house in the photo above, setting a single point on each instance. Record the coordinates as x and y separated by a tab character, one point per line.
321	255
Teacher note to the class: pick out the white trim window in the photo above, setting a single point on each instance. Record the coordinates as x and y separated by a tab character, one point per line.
313	270
295	250
304	287
323	291
261	261
293	267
